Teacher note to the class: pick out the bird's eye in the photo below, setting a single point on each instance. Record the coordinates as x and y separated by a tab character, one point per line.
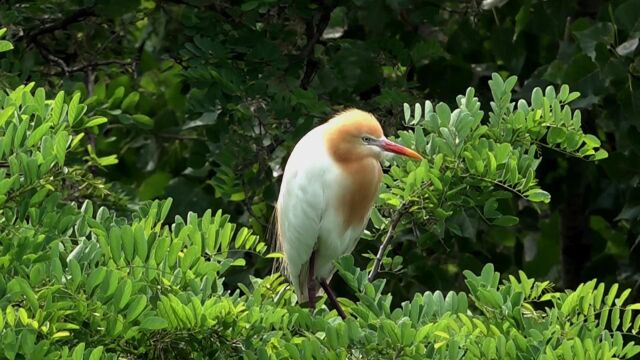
366	139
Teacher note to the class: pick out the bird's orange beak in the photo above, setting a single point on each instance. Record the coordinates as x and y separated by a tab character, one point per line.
390	146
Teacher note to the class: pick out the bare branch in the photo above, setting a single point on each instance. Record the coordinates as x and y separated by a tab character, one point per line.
387	240
84	67
180	136
49	56
63	23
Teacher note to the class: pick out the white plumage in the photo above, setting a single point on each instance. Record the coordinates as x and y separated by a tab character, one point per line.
309	218
328	189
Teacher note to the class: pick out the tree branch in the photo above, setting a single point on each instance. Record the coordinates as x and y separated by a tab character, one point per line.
387	240
63	23
314	31
83	67
180	136
52	58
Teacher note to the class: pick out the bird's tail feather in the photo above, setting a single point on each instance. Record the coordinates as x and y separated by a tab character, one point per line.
301	284
274	235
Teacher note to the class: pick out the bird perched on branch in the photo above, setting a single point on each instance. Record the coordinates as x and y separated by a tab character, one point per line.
329	185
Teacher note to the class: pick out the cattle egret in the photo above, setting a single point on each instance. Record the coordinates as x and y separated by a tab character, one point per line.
329	185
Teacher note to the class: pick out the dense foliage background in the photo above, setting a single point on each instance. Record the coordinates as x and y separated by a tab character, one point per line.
201	101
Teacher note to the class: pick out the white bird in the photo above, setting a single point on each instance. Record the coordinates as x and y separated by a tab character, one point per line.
329	186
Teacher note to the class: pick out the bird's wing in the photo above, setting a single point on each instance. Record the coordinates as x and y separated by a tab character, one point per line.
301	207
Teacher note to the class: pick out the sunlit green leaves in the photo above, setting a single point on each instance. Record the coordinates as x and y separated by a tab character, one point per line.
465	157
4	44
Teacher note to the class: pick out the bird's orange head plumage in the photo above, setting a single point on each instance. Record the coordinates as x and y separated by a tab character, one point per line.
353	135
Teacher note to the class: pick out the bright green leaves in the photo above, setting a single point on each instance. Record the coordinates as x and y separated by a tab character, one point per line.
469	163
550	115
494	318
4	44
58	108
556	135
538	195
154	323
76	110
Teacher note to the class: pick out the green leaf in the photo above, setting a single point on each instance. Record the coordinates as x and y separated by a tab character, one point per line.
564	93
600	154
37	134
556	135
20	132
591	140
444	114
76	140
538	195
136	306
536	98
5	45
115	243
75	110
572	96
123	293
96	354
615	318
27	291
407	113
506	220
108	160
165	209
78	352
143	120
127	242
4	115
95	121
626	319
490	207
249	5
60	146
502	152
8	139
38	196
612	294
154	323
58	108
598	33
162	247
140	242
130	102
7	184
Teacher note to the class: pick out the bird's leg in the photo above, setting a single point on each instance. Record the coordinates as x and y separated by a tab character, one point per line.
333	299
312	285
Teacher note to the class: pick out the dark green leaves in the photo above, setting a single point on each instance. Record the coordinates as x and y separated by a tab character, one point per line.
600	33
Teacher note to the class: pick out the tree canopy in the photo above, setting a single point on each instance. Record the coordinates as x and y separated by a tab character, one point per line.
142	145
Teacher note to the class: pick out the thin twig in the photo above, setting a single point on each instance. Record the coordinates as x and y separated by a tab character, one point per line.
84	67
52	58
387	240
181	137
